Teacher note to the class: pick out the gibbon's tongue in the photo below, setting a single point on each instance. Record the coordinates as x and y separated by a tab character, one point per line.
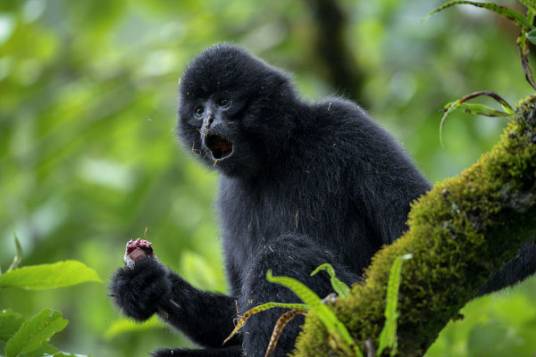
220	147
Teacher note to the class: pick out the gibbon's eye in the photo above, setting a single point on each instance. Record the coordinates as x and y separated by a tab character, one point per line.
198	111
224	103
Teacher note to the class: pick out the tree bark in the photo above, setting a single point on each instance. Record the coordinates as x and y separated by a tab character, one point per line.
460	233
331	47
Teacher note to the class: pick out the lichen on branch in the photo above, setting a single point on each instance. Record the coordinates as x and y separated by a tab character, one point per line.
460	233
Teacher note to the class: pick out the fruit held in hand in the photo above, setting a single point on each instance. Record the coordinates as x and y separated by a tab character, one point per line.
135	250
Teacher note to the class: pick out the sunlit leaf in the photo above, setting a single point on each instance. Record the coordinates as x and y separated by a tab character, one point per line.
481	109
338	286
34	332
45	350
316	306
49	276
388	338
475	109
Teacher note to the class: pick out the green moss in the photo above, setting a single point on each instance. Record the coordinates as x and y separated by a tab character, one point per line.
460	233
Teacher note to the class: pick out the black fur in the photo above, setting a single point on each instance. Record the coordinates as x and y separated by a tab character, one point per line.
231	351
140	291
305	183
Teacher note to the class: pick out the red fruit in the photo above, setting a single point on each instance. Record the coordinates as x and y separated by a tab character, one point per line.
143	244
137	249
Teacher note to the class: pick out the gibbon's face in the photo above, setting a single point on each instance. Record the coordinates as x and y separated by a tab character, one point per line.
215	119
223	109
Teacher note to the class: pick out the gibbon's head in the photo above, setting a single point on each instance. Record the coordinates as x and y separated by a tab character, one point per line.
235	110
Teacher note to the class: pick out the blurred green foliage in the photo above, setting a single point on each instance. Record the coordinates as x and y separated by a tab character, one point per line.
29	337
88	155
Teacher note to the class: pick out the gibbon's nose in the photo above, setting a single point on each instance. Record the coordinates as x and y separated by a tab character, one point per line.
209	118
215	121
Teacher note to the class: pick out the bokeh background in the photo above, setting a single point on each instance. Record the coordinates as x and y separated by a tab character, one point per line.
89	156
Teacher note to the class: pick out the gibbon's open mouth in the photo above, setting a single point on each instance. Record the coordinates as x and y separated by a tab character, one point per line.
220	147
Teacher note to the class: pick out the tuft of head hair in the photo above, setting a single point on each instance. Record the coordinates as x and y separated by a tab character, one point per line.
228	67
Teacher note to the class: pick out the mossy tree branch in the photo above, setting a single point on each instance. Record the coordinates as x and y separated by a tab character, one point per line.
460	234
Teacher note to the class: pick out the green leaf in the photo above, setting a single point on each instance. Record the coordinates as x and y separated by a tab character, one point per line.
49	276
338	286
518	18
388	335
475	109
34	332
481	109
18	255
9	323
122	326
46	349
316	306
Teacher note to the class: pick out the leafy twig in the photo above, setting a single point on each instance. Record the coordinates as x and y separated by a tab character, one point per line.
333	325
260	308
476	109
338	286
280	325
518	18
